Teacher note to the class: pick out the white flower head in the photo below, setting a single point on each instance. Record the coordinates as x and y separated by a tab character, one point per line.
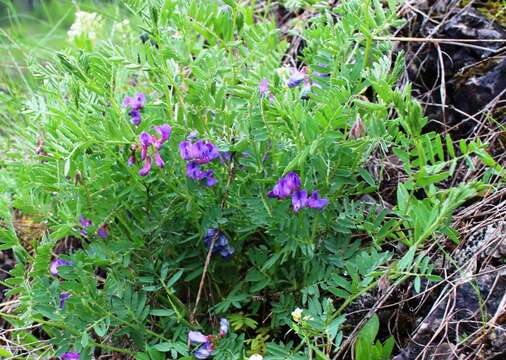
85	24
122	29
297	314
256	357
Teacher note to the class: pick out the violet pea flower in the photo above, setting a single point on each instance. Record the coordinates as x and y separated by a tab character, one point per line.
135	103
102	231
199	152
135	116
55	264
301	200
221	244
224	325
164	131
207	152
263	87
204	351
185	150
146	168
131	159
196	337
210	179
70	356
63	296
158	159
139	101
315	202
146	140
321	75
225	156
306	89
296	77
193	171
85	223
285	186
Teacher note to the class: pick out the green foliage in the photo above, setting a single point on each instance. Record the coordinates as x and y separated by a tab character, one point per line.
366	348
199	64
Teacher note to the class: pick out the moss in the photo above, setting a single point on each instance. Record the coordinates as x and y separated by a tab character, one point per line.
493	9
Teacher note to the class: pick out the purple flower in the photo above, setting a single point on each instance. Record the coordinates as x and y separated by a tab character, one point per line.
63	296
185	148
57	263
223	327
200	152
285	186
221	244
225	156
102	231
132	159
146	140
321	75
85	223
315	202
70	356
263	87
139	101
146	168
193	135
158	159
164	131
193	171
196	337
306	89
135	104
204	351
210	179
135	116
299	200
206	347
296	77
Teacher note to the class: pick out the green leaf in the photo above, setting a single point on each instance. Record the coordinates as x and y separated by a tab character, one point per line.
407	259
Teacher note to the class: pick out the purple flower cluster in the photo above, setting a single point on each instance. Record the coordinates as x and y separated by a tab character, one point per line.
296	77
289	185
53	269
55	264
301	200
86	223
148	141
221	244
63	296
206	347
70	356
135	104
197	154
263	90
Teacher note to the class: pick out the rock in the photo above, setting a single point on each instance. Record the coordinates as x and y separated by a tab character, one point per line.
470	305
474	74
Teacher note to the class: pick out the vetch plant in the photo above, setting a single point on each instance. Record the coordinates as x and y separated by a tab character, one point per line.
271	170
